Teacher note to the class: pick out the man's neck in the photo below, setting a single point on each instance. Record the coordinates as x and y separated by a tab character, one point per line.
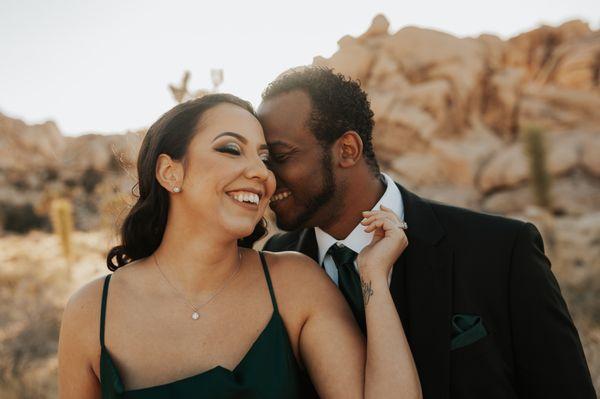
360	196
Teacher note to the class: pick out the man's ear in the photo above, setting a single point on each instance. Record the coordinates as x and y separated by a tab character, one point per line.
349	148
169	172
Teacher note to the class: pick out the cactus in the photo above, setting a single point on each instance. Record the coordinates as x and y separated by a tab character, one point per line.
61	215
535	148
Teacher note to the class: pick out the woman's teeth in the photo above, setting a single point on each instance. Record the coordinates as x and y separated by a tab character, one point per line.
280	196
251	198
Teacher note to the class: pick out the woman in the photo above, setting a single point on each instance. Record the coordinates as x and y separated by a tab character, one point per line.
192	310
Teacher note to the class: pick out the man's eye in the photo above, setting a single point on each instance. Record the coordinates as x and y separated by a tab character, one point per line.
230	149
279	158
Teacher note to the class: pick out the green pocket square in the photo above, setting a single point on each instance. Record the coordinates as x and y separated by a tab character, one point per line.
466	329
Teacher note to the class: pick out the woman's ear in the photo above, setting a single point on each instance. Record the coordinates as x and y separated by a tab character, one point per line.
169	173
349	149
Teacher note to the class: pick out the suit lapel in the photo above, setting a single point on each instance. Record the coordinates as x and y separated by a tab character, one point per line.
427	279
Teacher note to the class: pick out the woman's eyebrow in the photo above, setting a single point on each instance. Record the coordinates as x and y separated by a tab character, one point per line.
236	135
240	138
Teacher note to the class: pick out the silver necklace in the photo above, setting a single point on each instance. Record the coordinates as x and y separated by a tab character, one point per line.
196	313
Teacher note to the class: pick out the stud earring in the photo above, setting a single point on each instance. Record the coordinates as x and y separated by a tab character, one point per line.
176	189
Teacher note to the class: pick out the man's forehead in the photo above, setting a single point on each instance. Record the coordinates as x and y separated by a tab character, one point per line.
293	107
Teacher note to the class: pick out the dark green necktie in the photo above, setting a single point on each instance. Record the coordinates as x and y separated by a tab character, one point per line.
349	281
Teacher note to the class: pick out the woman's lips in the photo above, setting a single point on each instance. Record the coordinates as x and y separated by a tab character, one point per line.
239	200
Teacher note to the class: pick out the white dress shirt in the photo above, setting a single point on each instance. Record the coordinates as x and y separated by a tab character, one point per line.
358	239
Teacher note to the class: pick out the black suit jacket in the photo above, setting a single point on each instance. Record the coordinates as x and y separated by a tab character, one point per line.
463	262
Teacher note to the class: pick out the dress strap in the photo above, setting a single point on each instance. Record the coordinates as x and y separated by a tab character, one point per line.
269	283
103	309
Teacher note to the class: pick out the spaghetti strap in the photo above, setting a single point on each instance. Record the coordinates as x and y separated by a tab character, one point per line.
269	283
103	309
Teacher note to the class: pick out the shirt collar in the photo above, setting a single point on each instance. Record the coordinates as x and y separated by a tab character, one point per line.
358	239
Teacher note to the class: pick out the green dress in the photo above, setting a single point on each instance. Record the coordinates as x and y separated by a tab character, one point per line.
268	370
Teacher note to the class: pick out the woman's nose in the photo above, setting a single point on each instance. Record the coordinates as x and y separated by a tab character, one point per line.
257	170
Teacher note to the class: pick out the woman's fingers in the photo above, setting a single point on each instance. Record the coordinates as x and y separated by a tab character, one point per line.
382	222
379	215
371	216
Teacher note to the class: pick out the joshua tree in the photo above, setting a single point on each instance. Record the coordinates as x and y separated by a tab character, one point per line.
181	92
535	147
61	215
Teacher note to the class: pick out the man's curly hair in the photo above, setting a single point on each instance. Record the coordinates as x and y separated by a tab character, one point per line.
338	105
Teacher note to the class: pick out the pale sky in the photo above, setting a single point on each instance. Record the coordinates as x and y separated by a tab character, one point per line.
104	66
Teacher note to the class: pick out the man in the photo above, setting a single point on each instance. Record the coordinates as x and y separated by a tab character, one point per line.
482	311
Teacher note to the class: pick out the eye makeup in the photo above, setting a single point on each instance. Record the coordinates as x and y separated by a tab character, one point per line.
230	148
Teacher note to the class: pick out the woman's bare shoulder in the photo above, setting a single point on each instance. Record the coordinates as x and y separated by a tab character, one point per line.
294	265
300	276
85	304
80	325
86	301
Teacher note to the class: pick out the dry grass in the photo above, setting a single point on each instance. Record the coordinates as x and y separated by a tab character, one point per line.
34	286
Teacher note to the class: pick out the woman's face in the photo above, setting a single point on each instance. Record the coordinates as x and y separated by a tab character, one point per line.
226	181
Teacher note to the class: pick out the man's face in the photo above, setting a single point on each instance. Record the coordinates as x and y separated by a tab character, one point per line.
306	184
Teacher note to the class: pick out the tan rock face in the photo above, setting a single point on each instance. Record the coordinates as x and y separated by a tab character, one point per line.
352	60
590	156
509	167
379	26
37	164
25	147
449	112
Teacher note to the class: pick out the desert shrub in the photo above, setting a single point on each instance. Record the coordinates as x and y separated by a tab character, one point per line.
22	218
90	179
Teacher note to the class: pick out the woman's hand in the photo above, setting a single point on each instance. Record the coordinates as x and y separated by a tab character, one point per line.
389	241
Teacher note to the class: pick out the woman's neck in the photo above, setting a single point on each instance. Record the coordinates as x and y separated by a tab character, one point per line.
196	261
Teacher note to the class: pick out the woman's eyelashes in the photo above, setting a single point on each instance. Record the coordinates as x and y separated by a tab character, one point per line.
230	149
235	149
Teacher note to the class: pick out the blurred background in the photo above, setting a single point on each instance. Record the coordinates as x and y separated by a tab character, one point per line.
491	106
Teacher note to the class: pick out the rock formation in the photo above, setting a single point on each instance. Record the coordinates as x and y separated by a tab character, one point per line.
449	111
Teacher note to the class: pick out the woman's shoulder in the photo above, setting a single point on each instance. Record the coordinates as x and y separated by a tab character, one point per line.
299	276
294	266
86	301
80	325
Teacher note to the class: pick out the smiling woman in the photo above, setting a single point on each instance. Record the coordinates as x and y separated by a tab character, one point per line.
171	136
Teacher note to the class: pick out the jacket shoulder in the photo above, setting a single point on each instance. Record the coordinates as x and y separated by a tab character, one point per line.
282	241
469	222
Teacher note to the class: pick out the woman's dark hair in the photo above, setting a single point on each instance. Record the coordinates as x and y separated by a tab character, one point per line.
143	228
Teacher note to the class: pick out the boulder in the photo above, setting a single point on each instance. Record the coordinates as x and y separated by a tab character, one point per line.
352	60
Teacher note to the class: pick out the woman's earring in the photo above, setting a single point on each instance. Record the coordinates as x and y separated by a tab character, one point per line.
176	189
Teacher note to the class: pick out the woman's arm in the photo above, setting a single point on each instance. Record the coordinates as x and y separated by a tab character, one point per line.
390	368
79	343
329	343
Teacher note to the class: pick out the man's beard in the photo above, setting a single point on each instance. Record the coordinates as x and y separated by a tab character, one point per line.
312	206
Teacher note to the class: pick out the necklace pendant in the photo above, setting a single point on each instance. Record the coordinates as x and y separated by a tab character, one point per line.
195	316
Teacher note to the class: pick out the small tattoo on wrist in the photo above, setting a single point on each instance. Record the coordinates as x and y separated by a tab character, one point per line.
367	291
